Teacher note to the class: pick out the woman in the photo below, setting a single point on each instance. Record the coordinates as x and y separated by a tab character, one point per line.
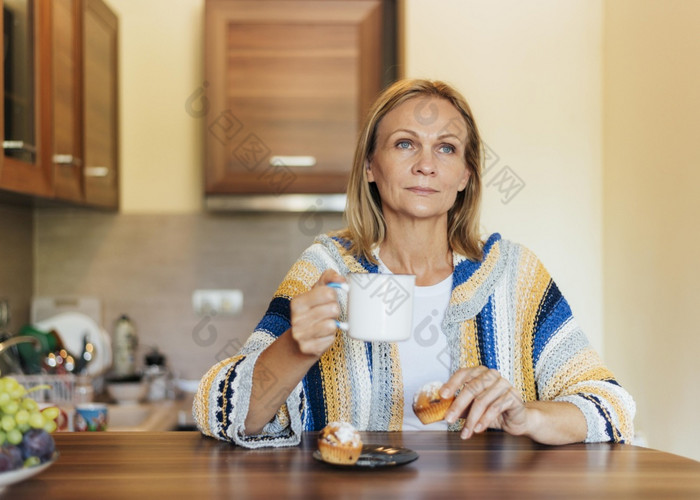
506	343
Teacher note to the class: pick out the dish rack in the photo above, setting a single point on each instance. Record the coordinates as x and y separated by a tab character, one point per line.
60	388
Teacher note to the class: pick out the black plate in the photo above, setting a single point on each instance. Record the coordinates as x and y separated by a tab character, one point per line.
377	455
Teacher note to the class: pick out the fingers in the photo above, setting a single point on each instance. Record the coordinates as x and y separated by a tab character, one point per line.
500	412
459	378
319	303
486	408
313	321
314	314
467	384
320	295
484	398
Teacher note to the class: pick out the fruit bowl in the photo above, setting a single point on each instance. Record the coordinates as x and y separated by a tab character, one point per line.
15	476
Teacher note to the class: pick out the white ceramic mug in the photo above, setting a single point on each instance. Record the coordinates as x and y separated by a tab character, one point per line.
380	306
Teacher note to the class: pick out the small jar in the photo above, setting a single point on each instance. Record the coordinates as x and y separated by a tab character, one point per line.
125	343
156	373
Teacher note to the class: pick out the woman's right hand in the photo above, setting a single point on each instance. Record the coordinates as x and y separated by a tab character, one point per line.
314	314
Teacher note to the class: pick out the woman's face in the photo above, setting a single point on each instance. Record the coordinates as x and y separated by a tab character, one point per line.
418	164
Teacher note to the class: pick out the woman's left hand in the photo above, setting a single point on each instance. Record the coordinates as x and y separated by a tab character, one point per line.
486	399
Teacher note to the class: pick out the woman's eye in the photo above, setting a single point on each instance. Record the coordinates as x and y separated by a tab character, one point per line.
447	148
403	144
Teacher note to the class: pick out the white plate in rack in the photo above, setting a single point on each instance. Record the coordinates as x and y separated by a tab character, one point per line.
71	327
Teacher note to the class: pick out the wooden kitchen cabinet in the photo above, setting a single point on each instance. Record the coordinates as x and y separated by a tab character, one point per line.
75	155
66	121
288	83
25	99
100	105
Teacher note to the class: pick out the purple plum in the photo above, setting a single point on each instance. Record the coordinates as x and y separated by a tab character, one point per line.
37	443
10	458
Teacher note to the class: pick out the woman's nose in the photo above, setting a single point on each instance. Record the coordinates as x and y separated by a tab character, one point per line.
425	163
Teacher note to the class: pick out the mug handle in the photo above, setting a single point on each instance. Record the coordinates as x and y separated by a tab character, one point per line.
343	325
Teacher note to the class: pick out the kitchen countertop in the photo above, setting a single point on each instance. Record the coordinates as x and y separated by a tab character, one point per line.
157	416
147	465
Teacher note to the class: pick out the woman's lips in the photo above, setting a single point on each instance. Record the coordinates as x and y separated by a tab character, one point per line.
422	190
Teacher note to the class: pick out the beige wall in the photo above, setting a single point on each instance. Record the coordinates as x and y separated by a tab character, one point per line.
161	48
651	235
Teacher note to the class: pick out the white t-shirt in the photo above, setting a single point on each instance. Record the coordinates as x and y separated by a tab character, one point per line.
424	356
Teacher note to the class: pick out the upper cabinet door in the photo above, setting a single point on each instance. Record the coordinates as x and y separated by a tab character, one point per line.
25	98
100	105
66	152
288	83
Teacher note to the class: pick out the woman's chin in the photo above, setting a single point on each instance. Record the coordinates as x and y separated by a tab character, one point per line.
423	212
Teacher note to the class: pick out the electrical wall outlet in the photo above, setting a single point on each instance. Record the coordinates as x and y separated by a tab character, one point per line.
229	302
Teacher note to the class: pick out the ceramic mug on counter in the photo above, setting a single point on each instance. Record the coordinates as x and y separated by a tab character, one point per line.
380	306
90	417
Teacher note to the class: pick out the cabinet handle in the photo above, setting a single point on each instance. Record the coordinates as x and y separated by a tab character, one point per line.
96	171
19	145
293	161
67	160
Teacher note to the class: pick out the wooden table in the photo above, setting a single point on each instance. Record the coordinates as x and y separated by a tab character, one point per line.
493	465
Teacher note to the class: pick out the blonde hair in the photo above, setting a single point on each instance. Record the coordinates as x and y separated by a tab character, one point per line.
366	226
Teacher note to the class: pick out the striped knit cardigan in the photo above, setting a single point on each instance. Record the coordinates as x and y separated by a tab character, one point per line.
505	313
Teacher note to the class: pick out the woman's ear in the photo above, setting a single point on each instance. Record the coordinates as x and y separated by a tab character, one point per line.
368	169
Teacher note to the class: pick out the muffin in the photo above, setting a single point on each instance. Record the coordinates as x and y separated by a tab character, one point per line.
340	443
428	406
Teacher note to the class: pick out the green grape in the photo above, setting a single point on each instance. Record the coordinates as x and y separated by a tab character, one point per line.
14	436
4	398
50	426
10	408
29	404
14	388
32	461
7	422
36	420
2	437
17	392
22	417
51	413
23	427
